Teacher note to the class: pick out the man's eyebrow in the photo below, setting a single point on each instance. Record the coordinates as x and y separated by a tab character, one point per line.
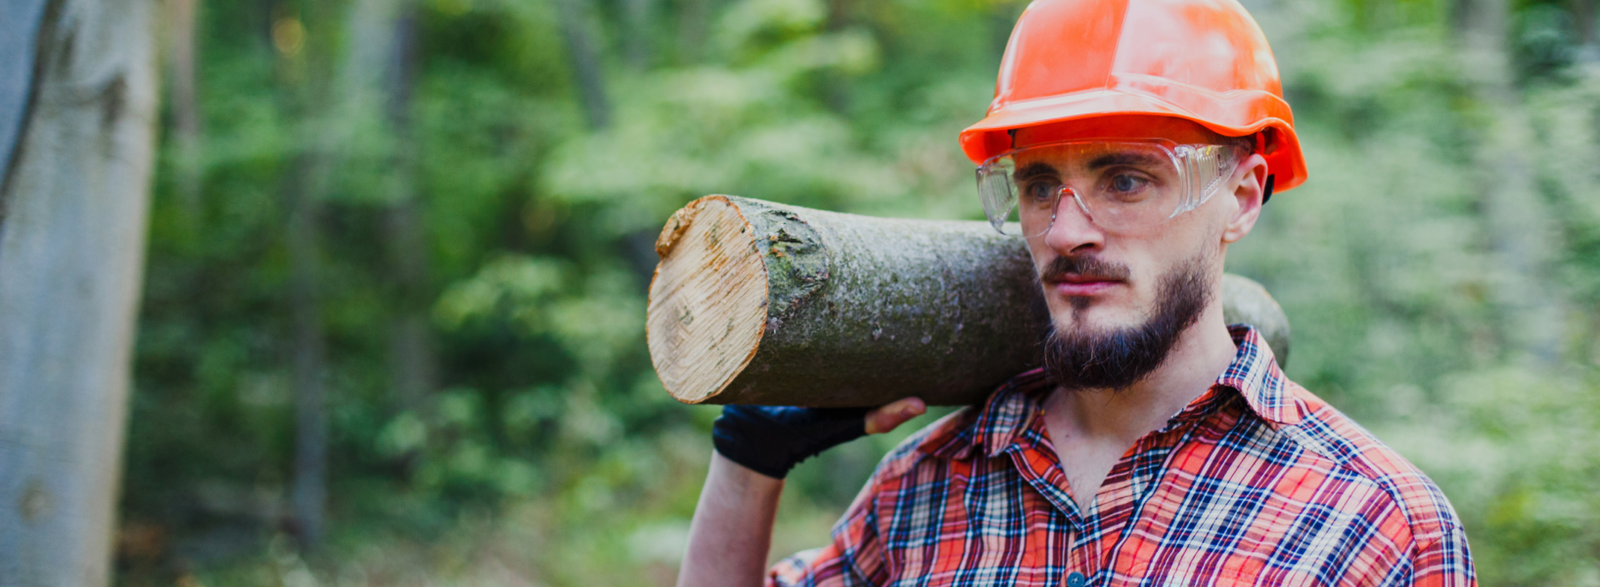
1123	158
1034	169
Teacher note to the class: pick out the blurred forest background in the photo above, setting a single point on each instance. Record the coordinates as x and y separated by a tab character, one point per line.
399	250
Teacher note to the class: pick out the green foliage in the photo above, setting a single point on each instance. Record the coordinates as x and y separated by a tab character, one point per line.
549	452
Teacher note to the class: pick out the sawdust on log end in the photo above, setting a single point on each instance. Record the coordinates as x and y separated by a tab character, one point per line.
676	226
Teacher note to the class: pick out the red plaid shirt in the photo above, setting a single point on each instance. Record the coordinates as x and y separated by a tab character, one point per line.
1256	482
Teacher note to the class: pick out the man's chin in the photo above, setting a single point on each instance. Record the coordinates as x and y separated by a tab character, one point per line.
1092	317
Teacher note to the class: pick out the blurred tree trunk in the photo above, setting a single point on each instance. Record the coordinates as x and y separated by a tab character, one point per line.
1583	21
835	88
412	360
1583	18
637	43
182	19
376	86
304	234
78	92
265	15
585	60
302	69
694	22
1517	224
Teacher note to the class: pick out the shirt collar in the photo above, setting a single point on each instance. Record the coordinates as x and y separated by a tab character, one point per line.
1253	375
1258	379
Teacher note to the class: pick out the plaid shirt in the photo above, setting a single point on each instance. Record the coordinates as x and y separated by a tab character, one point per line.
1255	482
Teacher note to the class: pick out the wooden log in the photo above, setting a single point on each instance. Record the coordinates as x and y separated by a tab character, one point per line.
761	303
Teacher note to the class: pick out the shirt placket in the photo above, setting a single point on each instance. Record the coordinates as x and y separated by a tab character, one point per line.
1037	467
1107	516
1096	532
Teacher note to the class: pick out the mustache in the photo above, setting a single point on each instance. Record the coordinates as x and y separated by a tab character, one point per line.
1060	267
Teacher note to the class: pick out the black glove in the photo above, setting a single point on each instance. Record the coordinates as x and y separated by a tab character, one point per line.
771	440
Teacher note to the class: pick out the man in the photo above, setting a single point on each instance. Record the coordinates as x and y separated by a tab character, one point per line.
1135	140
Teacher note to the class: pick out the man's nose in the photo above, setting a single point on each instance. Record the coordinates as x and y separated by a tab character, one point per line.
1073	231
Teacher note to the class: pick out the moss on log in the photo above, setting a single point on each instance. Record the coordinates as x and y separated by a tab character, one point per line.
762	303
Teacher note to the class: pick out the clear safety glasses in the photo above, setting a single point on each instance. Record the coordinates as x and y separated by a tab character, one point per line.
1121	186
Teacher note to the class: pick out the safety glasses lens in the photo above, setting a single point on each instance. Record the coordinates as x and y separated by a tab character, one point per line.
1119	187
998	194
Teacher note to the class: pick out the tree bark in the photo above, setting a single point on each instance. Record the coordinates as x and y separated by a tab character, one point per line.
76	192
20	24
761	303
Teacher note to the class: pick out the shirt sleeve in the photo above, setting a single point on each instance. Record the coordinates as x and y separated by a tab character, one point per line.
1444	560
854	558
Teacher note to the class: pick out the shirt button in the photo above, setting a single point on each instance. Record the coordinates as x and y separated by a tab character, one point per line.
1077	580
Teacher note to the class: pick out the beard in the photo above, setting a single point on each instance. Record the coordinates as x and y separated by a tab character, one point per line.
1085	358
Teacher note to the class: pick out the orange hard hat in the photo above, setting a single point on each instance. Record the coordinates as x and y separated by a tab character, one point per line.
1200	60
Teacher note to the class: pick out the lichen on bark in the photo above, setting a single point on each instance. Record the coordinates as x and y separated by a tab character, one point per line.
795	257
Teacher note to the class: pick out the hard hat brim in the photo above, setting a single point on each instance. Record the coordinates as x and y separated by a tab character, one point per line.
1249	112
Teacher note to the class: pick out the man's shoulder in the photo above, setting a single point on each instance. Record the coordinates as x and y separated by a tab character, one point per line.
1346	449
948	437
959	435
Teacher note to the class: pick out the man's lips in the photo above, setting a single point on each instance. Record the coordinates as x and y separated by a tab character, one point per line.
1081	285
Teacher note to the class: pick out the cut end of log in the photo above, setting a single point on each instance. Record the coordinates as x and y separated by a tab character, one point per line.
708	301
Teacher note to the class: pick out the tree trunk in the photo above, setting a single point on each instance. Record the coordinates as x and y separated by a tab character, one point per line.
1583	17
376	83
1519	227
637	43
20	43
585	60
835	86
760	303
182	56
305	74
411	355
75	193
309	362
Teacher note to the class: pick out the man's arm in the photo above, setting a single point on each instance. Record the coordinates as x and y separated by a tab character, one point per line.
732	528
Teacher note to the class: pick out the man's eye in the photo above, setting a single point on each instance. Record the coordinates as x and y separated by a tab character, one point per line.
1125	184
1040	191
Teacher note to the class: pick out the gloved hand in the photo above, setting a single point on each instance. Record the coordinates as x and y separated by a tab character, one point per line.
771	440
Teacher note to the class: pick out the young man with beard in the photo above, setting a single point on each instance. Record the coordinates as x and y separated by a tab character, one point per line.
1134	141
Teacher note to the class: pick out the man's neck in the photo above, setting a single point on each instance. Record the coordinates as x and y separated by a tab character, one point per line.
1092	429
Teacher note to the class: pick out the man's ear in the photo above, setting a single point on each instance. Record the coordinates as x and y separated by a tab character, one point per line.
1247	182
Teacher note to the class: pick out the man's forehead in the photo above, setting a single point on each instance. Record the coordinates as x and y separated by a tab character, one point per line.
1176	130
1091	156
